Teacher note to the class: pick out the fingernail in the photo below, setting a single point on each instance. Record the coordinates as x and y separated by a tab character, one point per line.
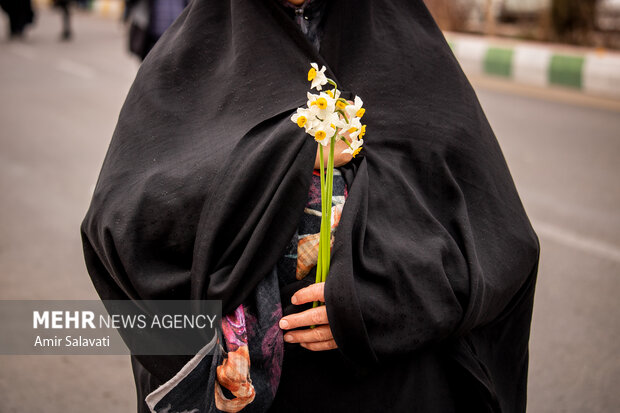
283	323
294	300
288	338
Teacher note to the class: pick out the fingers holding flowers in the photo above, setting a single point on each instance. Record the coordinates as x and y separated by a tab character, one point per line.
341	155
320	337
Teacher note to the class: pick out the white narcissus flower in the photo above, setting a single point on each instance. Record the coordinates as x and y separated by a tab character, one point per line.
322	105
303	117
317	77
311	98
351	129
331	94
355	148
311	125
355	110
336	121
327	116
323	133
324	130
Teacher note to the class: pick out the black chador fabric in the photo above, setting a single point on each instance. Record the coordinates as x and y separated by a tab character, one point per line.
432	276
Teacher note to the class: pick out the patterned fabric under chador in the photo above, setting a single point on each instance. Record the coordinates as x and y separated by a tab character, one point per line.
244	370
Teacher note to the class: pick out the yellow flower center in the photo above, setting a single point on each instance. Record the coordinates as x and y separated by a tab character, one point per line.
301	121
360	112
355	152
330	93
363	131
311	74
321	103
352	130
319	135
341	105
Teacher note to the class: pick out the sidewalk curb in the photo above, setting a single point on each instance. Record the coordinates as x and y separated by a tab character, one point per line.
590	71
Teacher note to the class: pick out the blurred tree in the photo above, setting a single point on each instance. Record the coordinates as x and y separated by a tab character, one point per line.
489	18
573	21
451	15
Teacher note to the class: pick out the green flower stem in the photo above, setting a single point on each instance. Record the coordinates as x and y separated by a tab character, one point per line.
327	189
324	245
344	116
319	263
329	194
331	82
327	237
342	138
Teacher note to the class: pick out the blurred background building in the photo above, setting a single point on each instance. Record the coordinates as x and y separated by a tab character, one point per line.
579	22
593	23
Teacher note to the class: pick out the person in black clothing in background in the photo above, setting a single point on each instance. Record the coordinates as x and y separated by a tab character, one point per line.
63	6
148	20
20	15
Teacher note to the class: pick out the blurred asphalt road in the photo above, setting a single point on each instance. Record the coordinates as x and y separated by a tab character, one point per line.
58	108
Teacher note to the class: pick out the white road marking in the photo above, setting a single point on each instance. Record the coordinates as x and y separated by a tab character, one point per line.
548	94
577	241
26	52
571	210
75	69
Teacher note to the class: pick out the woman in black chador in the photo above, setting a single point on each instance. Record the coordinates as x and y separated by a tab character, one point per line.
208	192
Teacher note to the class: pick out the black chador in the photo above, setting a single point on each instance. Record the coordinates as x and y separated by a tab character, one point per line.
434	262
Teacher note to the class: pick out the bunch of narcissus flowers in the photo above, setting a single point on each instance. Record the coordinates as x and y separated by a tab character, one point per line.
328	118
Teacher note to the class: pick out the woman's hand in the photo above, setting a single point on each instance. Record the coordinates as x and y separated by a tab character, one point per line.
316	339
340	158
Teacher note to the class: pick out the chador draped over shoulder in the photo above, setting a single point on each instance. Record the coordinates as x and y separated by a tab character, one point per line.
432	275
